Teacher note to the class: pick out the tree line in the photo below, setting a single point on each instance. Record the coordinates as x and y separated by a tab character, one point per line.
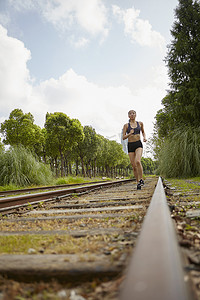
67	146
177	128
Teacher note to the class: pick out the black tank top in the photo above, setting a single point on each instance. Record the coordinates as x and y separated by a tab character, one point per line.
136	130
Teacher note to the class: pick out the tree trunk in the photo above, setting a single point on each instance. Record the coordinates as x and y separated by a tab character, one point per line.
62	164
77	170
70	168
56	167
94	168
83	168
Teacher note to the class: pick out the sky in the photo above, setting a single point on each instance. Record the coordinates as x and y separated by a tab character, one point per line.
93	60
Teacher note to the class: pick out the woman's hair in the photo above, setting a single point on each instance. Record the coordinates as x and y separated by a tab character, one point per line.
131	111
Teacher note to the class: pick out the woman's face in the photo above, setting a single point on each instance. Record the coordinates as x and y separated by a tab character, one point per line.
132	114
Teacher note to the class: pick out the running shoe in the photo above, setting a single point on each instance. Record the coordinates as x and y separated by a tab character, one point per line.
138	186
141	182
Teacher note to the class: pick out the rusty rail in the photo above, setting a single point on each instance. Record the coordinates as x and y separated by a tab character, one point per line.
34	189
53	195
155	270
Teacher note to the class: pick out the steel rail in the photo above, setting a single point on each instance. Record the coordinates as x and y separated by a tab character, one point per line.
155	271
60	186
10	202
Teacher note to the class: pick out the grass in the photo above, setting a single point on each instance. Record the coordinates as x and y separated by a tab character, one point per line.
180	156
51	244
57	224
186	184
76	179
58	181
54	243
19	167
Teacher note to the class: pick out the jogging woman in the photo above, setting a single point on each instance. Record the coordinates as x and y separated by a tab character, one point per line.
131	131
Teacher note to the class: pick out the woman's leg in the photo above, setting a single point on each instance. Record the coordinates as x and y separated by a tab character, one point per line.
134	166
138	156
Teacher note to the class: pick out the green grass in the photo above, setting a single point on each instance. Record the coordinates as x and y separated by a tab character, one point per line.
76	179
186	184
180	154
8	187
58	244
58	181
21	244
19	167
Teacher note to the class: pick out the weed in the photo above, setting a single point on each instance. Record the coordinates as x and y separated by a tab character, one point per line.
30	207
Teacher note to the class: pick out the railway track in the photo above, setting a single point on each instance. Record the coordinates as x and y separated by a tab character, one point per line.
10	204
79	245
53	187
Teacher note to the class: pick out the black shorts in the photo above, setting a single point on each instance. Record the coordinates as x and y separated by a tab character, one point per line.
132	146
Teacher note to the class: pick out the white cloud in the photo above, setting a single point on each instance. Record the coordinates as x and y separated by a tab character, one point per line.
100	107
23	5
79	43
139	30
4	19
104	108
91	16
14	74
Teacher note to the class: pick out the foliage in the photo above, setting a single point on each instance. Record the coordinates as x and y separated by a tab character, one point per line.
148	165
62	133
21	168
182	103
1	146
186	185
179	156
75	180
180	115
65	145
183	61
69	180
20	129
87	147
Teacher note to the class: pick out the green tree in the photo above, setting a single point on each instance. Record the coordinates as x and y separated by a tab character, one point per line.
20	129
182	104
148	165
124	165
181	111
62	133
1	146
112	156
87	149
100	160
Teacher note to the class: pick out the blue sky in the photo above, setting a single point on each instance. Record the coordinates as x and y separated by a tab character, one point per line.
91	59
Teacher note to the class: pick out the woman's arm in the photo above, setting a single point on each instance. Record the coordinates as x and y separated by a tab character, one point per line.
143	132
125	134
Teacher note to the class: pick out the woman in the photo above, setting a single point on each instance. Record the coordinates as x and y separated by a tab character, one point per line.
131	131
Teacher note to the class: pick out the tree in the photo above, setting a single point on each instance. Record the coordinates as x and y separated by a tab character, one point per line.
124	165
87	148
181	110
111	156
62	133
182	104
148	165
20	129
1	146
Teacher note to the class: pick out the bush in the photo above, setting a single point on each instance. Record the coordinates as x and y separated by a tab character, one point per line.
21	168
71	180
180	153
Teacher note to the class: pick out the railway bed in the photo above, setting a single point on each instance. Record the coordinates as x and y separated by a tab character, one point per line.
80	246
